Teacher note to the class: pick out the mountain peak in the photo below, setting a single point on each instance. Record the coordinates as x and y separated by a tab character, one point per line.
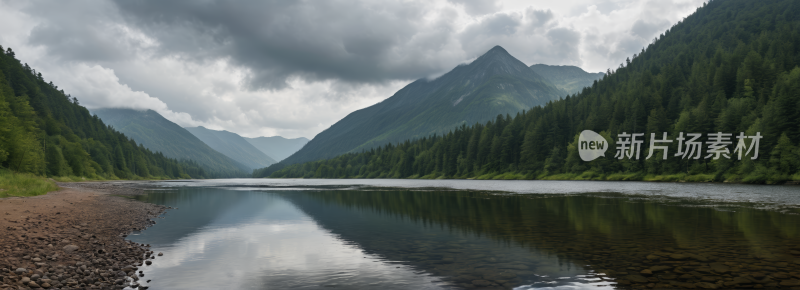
498	48
494	83
498	61
496	52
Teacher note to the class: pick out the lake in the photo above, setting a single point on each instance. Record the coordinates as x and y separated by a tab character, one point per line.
464	234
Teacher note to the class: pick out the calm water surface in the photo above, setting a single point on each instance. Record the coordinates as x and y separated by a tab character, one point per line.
408	234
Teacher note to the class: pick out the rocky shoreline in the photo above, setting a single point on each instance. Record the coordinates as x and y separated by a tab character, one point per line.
73	238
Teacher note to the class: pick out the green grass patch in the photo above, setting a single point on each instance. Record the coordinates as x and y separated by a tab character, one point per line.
700	178
666	178
486	176
590	175
73	178
68	178
625	176
24	184
733	178
561	176
430	176
509	176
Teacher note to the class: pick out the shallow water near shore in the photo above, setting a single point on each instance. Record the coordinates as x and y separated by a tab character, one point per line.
410	234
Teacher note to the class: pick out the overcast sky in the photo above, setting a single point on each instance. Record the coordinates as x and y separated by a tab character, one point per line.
293	68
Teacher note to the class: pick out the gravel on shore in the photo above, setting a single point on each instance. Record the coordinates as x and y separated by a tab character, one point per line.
74	238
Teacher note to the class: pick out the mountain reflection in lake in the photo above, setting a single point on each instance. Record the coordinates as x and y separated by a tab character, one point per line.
432	239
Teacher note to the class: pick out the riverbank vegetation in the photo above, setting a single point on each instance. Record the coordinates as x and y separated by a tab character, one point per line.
730	67
23	184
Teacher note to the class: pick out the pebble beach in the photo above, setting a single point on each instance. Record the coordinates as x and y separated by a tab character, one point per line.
74	238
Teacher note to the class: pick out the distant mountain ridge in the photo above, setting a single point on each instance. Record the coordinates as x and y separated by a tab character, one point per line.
495	83
277	147
234	146
159	134
571	79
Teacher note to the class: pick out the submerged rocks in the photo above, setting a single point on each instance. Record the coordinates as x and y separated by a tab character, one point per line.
636	278
716	266
790	283
655	269
678	257
719	268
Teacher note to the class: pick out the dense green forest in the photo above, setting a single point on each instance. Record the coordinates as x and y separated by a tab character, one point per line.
44	131
731	67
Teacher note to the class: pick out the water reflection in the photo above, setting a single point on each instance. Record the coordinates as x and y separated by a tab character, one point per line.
253	240
670	242
408	239
399	226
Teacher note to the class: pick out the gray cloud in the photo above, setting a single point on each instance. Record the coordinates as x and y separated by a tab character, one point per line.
475	37
346	40
538	18
478	7
296	67
565	43
530	37
88	38
349	40
645	29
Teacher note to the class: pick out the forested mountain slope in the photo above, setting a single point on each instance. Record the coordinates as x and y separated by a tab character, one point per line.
730	67
45	131
277	147
234	146
495	83
159	134
571	79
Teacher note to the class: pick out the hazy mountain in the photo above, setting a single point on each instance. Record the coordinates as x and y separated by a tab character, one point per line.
234	146
495	83
159	134
571	79
278	147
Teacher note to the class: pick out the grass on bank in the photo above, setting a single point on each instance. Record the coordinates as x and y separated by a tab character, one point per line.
24	184
755	177
760	175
